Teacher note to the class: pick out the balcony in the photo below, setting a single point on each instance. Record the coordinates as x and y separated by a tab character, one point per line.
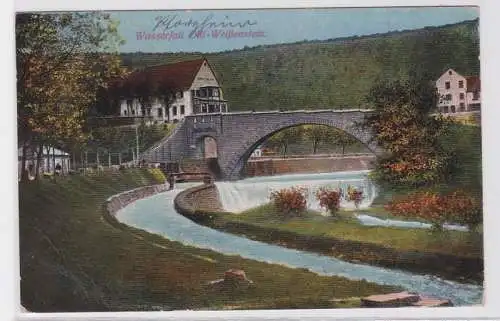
209	105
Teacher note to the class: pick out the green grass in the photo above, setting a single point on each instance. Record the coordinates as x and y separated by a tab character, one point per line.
73	259
455	243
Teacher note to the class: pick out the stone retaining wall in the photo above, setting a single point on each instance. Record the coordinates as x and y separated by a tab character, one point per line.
200	204
119	201
308	165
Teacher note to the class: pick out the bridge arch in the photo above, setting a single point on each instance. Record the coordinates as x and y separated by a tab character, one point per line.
235	164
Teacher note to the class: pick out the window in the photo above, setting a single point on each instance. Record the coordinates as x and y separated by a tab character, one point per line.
203	108
179	95
475	95
447	85
448	97
211	108
125	112
462	96
452	109
450	72
462	107
174	110
197	93
445	109
160	112
460	84
182	110
216	92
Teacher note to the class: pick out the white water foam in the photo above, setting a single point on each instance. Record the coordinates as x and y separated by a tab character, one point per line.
248	193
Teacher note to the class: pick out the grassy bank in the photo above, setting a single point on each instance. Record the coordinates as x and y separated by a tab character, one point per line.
450	254
73	259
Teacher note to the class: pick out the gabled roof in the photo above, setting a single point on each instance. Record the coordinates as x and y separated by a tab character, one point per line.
473	83
179	76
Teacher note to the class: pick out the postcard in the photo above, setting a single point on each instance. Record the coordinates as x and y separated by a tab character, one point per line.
322	159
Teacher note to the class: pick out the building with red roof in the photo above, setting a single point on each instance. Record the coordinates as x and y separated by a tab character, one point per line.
177	90
458	93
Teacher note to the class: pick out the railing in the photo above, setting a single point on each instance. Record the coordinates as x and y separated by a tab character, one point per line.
192	177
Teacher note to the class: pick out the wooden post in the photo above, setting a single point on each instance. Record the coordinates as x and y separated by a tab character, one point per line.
86	161
109	159
97	160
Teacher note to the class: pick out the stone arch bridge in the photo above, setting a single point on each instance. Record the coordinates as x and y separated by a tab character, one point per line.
238	134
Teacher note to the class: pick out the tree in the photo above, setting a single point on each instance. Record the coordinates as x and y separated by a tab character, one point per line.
343	139
282	139
403	126
317	134
62	60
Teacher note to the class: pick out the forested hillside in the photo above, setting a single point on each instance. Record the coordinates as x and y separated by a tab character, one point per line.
335	73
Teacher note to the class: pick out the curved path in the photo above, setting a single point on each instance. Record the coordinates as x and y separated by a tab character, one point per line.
157	215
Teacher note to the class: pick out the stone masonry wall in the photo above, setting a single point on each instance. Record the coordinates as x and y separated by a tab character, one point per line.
311	165
119	201
203	197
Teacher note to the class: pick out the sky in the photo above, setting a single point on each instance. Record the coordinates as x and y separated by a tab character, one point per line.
170	31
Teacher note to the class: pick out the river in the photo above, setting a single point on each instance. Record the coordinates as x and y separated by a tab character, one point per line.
157	215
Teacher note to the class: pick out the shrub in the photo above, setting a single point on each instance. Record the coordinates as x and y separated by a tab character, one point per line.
329	199
157	174
464	209
354	195
289	201
456	207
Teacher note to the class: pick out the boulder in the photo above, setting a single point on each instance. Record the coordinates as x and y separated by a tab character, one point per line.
234	279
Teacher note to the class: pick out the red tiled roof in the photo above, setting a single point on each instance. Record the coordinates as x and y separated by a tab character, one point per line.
177	76
473	83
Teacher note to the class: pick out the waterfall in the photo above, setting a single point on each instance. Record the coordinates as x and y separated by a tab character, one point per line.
248	193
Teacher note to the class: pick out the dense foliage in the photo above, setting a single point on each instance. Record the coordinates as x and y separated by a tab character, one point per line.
60	69
289	201
334	73
403	126
439	208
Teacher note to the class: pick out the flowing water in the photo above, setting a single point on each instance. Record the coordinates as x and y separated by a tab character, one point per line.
248	193
252	192
157	215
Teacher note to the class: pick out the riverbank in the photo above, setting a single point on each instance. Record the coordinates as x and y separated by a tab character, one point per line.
75	257
452	255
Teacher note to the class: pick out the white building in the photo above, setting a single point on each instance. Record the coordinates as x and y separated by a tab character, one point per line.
51	158
458	93
257	152
197	91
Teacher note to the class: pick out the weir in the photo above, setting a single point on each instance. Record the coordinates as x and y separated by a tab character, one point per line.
248	193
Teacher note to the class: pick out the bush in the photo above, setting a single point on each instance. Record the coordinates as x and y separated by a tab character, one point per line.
329	199
456	207
157	174
289	201
464	209
355	196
